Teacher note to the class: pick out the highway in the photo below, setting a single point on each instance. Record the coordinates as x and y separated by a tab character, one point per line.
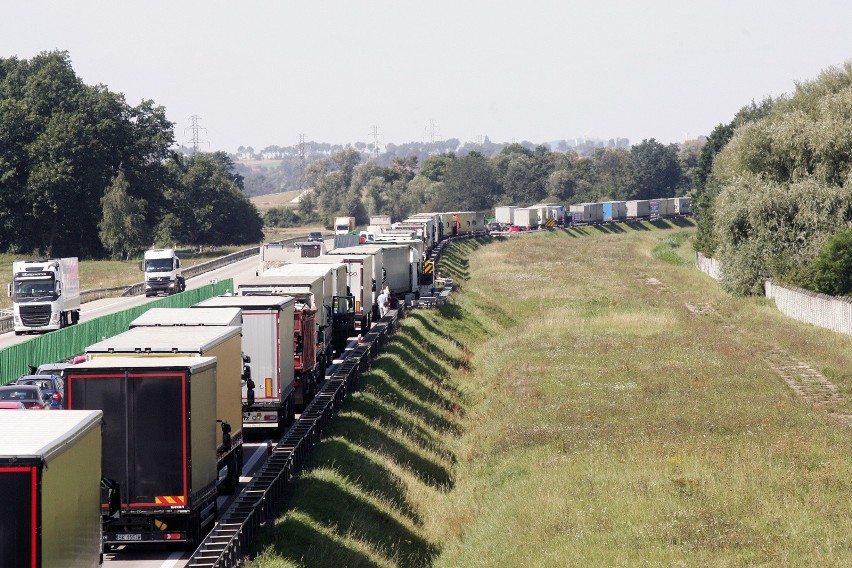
255	448
239	271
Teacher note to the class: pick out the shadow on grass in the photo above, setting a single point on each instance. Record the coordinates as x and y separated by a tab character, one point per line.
415	339
345	514
367	472
361	431
608	228
636	226
392	383
305	546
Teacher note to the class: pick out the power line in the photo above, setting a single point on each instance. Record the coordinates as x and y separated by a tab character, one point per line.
195	128
432	130
375	134
301	162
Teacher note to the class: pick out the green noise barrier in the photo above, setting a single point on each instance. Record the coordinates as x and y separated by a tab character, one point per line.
66	343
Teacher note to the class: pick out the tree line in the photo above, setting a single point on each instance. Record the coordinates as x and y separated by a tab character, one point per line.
345	184
773	193
85	174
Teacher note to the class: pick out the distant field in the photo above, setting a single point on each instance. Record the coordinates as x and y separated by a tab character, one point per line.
270	200
260	163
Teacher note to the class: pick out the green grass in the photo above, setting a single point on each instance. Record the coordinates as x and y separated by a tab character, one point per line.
572	407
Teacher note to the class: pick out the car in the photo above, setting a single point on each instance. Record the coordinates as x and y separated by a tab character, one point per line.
315	236
32	397
57	369
514	229
52	384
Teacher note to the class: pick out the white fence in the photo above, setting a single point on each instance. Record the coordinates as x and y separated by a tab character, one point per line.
831	312
707	265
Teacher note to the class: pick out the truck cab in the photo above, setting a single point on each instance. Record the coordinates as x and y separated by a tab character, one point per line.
45	294
162	270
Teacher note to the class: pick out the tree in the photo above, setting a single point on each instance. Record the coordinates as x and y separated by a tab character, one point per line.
470	183
656	170
832	269
122	228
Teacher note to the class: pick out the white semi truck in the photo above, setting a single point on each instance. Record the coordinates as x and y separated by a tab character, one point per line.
45	294
162	272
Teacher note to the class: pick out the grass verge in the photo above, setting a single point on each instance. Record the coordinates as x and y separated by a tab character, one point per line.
582	403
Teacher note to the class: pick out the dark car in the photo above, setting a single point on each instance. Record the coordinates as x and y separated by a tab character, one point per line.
315	236
51	384
30	395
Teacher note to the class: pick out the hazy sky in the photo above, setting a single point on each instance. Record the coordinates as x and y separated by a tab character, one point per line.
261	73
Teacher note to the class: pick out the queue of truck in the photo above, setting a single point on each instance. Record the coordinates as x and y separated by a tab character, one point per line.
173	396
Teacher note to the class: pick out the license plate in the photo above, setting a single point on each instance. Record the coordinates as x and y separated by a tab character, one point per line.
128	536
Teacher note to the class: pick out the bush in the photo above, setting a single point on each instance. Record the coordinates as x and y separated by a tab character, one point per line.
832	268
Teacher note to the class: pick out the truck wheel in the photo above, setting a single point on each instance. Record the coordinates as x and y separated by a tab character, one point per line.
75	318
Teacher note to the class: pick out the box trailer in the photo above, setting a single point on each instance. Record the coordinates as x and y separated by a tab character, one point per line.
525	217
659	207
638	209
50	471
586	213
360	283
614	211
159	443
397	268
269	398
222	342
312	347
184	316
505	215
681	206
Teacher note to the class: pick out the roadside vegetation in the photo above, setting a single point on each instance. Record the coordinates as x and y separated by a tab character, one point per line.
586	400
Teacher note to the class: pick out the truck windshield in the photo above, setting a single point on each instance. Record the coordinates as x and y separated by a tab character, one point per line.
34	288
158	265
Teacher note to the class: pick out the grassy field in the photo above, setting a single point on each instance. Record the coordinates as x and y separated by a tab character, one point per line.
270	200
588	399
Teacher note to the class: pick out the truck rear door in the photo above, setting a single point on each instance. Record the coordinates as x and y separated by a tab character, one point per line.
144	433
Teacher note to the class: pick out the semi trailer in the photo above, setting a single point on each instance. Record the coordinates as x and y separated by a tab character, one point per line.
50	471
269	397
160	439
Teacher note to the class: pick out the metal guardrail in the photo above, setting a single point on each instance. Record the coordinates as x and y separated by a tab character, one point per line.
229	542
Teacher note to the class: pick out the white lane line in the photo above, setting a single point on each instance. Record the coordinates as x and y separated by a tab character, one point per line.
172	560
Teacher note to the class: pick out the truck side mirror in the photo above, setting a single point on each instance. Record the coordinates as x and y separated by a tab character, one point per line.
142	265
226	432
9	289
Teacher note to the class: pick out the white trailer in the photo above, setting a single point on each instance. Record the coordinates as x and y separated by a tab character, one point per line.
399	265
586	212
526	217
360	281
45	294
267	322
309	292
638	209
505	215
184	316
